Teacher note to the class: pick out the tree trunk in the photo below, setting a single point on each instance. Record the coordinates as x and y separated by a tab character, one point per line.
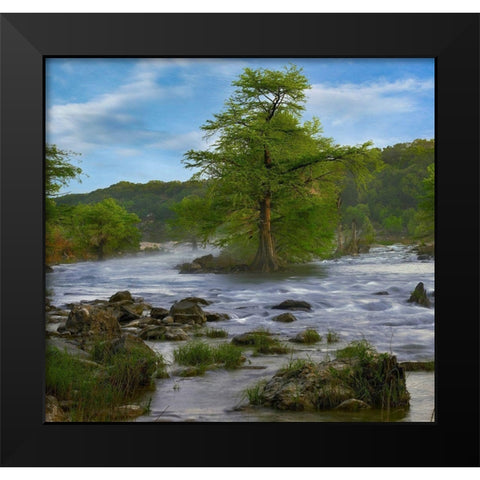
354	248
266	258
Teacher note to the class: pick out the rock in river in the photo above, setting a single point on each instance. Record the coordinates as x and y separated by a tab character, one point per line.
293	305
419	295
285	318
188	312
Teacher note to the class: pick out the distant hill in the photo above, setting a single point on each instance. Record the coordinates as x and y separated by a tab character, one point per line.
150	201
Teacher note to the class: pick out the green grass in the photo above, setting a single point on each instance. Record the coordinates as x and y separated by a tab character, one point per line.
203	356
263	343
216	333
311	336
332	336
375	377
95	390
254	393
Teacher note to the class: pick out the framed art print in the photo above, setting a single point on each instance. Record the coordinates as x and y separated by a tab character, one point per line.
235	241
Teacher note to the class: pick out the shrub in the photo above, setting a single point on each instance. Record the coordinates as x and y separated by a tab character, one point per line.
216	333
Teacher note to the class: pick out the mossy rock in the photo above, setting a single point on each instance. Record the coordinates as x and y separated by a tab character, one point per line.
419	296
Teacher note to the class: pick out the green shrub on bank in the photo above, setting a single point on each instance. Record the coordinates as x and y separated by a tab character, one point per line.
94	390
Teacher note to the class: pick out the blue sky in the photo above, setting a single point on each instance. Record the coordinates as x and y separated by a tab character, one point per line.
133	119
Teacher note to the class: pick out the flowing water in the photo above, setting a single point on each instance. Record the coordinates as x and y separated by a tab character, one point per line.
344	298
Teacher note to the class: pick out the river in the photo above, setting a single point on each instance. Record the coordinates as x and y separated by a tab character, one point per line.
344	298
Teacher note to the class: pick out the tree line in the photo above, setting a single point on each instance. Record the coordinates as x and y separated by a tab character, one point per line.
271	188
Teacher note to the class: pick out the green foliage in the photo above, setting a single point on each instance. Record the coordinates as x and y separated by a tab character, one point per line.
105	228
96	390
376	378
58	169
154	203
266	162
399	194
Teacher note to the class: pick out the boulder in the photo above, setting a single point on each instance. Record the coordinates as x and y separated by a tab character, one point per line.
285	318
383	292
197	300
87	318
175	334
188	312
305	385
158	312
419	296
119	296
293	305
153	332
216	317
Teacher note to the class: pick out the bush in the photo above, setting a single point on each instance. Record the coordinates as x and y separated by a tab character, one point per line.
95	390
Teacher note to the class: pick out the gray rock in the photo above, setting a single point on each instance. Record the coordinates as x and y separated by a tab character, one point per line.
158	312
285	318
216	317
188	312
119	296
293	305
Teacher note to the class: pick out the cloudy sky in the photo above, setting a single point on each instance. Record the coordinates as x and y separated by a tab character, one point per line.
133	119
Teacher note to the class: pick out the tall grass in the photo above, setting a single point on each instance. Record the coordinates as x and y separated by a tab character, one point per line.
93	391
202	356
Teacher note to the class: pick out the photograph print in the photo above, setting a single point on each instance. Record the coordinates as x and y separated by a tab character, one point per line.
239	240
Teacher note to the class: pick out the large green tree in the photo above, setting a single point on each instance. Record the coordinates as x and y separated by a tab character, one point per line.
274	179
105	227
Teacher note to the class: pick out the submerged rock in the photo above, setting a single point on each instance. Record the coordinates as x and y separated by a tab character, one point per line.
216	317
293	305
285	318
419	295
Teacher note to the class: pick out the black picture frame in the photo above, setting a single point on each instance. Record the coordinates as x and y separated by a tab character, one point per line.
452	39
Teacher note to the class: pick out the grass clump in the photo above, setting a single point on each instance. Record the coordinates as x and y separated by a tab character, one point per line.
255	393
311	336
264	344
332	336
203	356
376	378
216	333
94	391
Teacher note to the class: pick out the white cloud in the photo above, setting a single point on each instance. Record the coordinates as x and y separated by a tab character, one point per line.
351	102
183	141
112	118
